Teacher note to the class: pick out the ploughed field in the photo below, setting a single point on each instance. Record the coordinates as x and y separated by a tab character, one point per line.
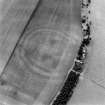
44	54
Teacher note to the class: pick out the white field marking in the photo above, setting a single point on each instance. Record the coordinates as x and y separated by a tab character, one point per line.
70	39
74	41
23	59
67	35
54	79
63	56
49	30
73	37
33	67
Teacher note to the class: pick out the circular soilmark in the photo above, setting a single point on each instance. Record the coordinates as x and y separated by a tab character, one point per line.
43	49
